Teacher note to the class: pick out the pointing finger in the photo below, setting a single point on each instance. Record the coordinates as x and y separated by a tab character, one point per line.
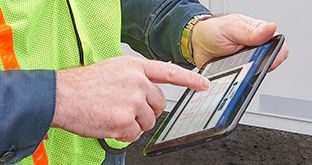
163	72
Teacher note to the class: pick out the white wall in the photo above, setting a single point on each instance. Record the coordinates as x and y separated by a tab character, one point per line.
284	100
286	92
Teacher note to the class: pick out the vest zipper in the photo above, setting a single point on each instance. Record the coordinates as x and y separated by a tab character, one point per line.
79	44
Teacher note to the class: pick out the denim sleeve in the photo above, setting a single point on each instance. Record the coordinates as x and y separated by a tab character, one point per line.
154	27
27	103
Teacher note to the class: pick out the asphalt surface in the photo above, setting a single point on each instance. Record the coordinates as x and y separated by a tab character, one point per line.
246	145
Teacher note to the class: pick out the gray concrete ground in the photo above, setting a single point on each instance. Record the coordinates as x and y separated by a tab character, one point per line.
246	145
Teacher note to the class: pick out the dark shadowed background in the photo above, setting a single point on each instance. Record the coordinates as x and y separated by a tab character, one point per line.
246	145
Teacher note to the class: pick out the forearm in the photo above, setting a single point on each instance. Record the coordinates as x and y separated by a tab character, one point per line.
155	30
27	104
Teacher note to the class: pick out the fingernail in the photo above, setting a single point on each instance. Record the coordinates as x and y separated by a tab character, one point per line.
205	83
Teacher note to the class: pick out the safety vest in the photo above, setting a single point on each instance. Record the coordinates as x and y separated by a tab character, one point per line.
60	34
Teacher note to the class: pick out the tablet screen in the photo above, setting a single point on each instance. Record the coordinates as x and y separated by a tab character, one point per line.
202	110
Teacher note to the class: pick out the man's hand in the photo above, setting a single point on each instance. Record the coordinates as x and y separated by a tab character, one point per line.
224	35
117	97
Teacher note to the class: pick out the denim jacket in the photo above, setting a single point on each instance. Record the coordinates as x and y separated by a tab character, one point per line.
152	28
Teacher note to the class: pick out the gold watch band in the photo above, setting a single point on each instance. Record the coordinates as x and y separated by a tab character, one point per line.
186	39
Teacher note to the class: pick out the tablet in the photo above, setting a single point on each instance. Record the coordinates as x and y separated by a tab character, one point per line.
201	116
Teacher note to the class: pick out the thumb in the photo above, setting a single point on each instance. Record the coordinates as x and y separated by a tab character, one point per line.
250	31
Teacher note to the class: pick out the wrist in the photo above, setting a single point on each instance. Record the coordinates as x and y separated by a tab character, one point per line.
65	97
186	39
58	118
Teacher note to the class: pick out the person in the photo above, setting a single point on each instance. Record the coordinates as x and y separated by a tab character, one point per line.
77	91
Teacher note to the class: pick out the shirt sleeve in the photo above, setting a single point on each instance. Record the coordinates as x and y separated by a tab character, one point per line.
27	103
154	28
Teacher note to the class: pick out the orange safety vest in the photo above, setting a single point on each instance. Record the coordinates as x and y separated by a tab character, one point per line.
10	62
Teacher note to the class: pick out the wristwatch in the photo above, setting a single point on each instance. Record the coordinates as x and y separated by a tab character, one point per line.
186	39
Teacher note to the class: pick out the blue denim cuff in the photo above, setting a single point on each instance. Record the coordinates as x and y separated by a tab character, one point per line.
27	104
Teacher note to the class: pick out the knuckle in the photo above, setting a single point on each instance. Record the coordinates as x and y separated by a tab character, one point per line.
136	103
161	107
129	135
126	120
119	120
148	125
151	125
163	103
172	71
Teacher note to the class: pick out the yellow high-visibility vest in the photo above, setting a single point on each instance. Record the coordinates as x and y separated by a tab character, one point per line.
54	35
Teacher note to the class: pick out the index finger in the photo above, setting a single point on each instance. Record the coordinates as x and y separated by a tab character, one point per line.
165	72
